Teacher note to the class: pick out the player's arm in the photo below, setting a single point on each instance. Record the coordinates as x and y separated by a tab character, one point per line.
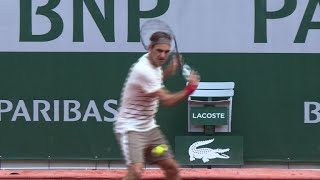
168	98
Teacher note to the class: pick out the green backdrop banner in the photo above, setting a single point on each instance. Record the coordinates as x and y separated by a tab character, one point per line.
61	105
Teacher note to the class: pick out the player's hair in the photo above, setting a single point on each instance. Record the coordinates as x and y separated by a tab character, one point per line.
160	38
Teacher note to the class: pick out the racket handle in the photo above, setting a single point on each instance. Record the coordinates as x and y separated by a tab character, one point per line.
186	71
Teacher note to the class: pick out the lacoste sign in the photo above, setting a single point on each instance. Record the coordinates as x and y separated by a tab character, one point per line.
209	150
209	115
205	154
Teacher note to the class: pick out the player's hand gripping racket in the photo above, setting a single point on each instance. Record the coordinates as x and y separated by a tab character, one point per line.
155	25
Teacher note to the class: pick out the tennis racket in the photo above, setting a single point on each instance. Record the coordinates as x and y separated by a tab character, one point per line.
155	25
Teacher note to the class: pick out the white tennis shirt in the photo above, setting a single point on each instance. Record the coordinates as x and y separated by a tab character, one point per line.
137	109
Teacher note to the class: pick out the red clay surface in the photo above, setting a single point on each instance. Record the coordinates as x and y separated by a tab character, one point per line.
201	174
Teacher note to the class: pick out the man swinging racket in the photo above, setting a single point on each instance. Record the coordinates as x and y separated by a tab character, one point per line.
136	129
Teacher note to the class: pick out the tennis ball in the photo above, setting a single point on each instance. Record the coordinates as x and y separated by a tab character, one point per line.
159	150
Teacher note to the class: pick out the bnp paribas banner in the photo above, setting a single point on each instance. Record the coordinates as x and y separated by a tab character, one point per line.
273	26
63	64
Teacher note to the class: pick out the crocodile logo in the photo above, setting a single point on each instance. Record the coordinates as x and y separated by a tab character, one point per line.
206	153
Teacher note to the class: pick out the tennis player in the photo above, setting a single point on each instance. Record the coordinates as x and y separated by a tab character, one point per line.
136	128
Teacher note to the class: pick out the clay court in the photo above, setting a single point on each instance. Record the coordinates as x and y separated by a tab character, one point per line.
155	174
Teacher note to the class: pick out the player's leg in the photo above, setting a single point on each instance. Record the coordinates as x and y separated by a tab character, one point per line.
132	145
171	168
166	160
134	171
